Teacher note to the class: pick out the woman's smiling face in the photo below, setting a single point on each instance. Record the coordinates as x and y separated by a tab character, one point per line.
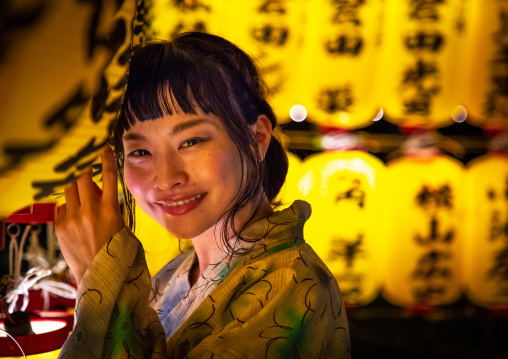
183	170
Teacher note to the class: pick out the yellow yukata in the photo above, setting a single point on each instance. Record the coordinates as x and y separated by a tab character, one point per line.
278	301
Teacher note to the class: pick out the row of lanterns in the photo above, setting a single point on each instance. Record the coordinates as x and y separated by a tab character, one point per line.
344	60
423	229
414	224
64	67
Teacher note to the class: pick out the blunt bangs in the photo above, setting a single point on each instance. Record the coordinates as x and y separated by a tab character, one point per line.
165	80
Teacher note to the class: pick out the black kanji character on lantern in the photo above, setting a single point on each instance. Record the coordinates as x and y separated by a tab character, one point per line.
491	194
434	235
69	112
428	293
419	72
354	193
272	6
424	41
271	34
500	267
190	5
430	266
344	45
496	104
16	152
198	26
425	9
441	197
337	99
417	79
349	250
498	228
346	11
419	105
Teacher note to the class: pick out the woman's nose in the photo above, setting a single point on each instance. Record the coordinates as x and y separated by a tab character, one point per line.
169	173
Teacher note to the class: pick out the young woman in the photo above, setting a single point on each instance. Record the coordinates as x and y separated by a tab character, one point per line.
195	150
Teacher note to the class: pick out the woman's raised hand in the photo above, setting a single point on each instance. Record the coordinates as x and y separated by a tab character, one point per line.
89	218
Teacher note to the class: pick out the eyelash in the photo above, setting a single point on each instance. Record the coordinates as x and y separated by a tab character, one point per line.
137	153
190	142
193	141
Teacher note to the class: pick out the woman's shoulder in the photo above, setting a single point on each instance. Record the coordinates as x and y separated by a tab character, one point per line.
293	262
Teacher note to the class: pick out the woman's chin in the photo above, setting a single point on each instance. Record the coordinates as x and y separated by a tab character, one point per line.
185	233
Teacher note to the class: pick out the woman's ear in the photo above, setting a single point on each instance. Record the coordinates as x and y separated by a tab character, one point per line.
263	132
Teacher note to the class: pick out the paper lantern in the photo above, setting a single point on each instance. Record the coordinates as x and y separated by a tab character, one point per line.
420	66
486	246
484	93
339	62
342	188
290	190
423	201
63	76
271	32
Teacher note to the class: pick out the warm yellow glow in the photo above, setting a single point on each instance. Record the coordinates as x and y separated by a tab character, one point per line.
160	246
420	74
339	61
291	189
46	95
486	241
484	59
342	190
423	200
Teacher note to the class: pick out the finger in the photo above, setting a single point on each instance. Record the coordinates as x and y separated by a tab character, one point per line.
86	189
60	213
109	176
97	189
72	197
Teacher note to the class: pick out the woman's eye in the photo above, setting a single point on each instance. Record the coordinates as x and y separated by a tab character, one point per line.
138	153
190	142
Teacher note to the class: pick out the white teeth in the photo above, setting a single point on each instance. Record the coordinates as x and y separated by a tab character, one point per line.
179	203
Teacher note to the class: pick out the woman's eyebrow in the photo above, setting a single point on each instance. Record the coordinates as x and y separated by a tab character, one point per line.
134	137
191	123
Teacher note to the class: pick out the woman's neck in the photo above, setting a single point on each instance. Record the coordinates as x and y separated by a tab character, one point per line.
208	245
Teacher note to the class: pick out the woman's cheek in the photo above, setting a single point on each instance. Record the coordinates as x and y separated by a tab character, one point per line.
135	180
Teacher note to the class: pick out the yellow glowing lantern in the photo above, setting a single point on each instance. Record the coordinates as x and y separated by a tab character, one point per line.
339	62
342	188
271	32
290	190
63	75
486	246
424	207
419	61
484	93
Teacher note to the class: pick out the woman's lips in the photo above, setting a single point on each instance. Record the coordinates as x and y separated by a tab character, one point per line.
178	208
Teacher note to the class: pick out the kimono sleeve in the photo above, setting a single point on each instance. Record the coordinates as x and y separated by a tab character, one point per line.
112	315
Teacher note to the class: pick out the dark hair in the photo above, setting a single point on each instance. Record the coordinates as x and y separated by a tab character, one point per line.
207	71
